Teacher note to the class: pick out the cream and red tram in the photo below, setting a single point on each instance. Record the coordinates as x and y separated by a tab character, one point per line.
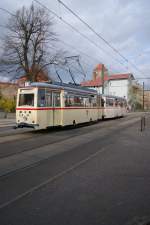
43	105
113	106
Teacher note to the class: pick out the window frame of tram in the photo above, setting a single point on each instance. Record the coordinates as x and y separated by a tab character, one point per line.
26	99
56	99
79	100
48	98
109	102
41	101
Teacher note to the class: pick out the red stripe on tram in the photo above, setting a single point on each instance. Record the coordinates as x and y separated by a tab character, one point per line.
63	108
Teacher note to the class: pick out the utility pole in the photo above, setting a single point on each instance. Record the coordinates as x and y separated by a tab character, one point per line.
143	95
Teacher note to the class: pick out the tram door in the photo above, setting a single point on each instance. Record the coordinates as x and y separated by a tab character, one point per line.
56	108
103	107
98	107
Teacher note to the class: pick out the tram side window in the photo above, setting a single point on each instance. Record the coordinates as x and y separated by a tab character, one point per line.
102	102
121	104
41	98
86	102
26	99
94	101
109	102
116	102
69	100
73	100
78	101
48	98
98	101
56	99
124	103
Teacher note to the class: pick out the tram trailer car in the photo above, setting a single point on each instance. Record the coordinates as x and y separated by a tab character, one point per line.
43	105
113	107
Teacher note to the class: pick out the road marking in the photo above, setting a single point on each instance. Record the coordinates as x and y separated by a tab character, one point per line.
52	179
7	125
56	176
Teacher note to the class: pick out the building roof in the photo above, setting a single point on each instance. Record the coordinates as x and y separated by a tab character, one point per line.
98	81
94	83
121	76
7	83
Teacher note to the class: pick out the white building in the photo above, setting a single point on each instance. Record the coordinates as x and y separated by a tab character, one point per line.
120	85
117	84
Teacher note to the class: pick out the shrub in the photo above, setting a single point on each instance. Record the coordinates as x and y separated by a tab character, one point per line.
8	105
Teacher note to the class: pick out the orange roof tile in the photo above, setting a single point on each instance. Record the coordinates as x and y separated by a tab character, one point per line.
98	81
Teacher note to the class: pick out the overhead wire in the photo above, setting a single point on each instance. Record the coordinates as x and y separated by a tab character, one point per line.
7	11
72	27
68	24
98	35
50	47
77	31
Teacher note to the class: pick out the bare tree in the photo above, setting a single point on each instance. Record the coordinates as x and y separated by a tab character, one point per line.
26	44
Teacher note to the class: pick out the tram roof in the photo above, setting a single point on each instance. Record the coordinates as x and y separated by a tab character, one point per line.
113	96
64	86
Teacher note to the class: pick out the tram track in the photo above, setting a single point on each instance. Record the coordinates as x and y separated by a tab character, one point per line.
27	188
51	179
67	168
30	140
14	132
105	133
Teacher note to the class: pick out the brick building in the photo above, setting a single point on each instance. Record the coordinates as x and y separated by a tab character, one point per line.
8	89
41	76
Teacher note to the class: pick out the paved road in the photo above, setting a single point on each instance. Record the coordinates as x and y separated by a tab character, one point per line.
90	176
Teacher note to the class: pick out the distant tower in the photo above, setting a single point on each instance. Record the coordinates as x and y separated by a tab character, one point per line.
99	73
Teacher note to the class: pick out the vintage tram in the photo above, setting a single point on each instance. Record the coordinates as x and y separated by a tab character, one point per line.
43	105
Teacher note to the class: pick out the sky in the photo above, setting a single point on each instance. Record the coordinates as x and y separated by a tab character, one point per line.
125	24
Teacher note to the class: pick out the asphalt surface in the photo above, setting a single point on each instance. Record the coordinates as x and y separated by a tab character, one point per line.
100	175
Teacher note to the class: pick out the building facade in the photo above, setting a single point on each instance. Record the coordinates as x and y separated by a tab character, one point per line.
147	99
8	90
121	85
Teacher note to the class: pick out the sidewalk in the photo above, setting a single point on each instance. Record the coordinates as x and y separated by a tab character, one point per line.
7	122
4	115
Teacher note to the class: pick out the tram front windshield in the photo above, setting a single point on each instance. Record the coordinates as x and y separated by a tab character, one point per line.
26	100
